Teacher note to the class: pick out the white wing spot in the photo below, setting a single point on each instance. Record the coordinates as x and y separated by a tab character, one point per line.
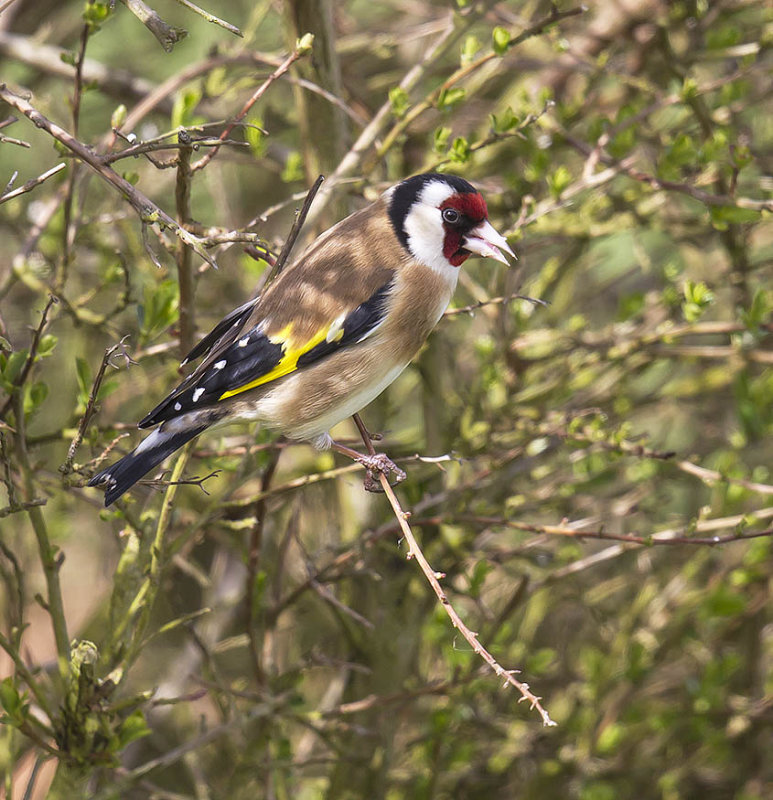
220	364
197	394
178	407
243	342
335	328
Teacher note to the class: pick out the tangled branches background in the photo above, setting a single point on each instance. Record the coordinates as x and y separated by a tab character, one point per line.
591	476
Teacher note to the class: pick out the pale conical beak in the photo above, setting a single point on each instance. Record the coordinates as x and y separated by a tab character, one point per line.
485	241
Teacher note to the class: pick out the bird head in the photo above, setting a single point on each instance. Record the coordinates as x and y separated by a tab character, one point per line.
442	220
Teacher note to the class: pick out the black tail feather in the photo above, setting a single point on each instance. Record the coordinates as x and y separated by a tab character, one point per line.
122	475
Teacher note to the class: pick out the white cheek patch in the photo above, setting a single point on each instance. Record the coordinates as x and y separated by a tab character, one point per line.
424	229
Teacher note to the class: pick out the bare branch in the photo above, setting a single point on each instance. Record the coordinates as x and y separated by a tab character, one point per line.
471	309
148	211
168	35
433	578
31	184
210	17
294	232
66	468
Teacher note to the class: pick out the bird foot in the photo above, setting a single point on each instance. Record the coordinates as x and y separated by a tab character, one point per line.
379	463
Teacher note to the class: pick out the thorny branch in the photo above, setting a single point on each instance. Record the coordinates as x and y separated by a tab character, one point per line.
433	577
66	468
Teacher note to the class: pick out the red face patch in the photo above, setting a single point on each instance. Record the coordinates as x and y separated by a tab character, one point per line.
471	205
452	248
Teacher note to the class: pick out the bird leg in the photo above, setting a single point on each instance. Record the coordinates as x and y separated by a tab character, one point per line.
374	463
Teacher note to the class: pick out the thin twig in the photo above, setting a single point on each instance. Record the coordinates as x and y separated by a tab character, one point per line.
11	140
185	274
143	148
8	510
299	222
31	184
142	605
452	312
256	95
211	17
31	356
253	563
66	468
668	538
50	557
433	578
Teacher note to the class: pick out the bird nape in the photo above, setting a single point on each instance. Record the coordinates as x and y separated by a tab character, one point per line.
335	328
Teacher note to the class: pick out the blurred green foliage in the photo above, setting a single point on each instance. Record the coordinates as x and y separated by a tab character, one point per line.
267	637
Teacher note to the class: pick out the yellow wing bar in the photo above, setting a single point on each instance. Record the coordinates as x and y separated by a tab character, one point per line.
287	364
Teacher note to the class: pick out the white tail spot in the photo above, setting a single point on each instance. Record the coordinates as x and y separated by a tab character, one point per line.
197	394
220	364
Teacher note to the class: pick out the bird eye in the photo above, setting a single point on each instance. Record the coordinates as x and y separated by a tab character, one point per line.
450	215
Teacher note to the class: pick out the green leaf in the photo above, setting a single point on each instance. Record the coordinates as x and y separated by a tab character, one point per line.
398	99
558	181
470	47
500	40
46	345
609	738
479	572
13	704
83	374
630	305
9	696
724	602
14	365
34	396
689	89
449	98
305	44
722	216
505	122
741	155
293	169
460	150
440	142
132	728
159	310
216	82
759	310
255	137
95	14
185	103
118	117
697	297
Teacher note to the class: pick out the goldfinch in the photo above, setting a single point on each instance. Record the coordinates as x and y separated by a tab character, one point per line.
335	328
